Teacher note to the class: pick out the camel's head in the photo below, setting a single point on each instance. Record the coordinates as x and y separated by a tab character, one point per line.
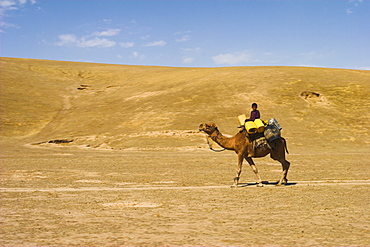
208	128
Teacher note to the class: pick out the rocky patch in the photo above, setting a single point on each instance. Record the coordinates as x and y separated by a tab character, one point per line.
313	98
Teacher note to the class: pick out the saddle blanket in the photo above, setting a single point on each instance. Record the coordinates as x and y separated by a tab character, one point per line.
261	143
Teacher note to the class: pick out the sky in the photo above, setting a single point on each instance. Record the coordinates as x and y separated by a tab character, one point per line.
189	33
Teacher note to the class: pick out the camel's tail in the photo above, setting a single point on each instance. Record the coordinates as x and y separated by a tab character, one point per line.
285	145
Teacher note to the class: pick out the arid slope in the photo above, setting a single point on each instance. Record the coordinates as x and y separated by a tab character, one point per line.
120	107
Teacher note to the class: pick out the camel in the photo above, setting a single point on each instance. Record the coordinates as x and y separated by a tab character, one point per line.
240	142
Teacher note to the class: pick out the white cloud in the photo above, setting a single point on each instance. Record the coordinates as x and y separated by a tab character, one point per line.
66	39
7	25
183	39
190	54
349	11
96	42
72	40
7	5
127	44
13	4
156	43
188	60
92	40
233	58
135	54
107	21
182	32
109	32
355	4
191	49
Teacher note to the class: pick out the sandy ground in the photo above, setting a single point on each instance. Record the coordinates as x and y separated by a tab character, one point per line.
63	196
117	159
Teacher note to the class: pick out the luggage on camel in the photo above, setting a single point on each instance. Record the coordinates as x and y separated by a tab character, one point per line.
272	130
273	121
252	127
256	126
241	119
260	125
260	133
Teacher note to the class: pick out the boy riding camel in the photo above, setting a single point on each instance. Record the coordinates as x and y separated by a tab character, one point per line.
255	114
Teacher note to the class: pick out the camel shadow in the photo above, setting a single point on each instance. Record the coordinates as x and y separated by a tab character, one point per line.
264	183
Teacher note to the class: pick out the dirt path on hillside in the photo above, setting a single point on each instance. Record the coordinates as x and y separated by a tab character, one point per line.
157	198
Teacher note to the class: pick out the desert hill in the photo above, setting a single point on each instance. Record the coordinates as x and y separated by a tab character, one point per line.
117	107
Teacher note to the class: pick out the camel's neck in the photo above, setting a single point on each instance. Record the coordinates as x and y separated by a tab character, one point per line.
223	141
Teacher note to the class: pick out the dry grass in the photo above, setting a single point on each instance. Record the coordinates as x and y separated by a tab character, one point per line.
112	104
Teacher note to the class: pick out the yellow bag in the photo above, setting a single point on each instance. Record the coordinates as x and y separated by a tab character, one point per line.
242	119
251	127
260	125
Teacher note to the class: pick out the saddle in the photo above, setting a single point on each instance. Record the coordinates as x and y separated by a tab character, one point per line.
259	141
262	134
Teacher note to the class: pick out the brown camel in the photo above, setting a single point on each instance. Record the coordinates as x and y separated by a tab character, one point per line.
240	142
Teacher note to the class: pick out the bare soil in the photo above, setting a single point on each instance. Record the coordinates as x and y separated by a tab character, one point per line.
64	196
110	155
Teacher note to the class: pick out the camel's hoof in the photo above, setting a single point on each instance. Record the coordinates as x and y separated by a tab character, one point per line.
260	185
234	186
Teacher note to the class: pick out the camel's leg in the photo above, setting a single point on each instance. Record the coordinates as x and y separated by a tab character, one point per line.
285	164
279	155
255	170
239	171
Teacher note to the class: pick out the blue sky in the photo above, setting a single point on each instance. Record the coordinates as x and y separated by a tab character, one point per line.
202	33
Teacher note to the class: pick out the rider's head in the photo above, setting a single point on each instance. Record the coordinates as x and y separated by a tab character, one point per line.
254	106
